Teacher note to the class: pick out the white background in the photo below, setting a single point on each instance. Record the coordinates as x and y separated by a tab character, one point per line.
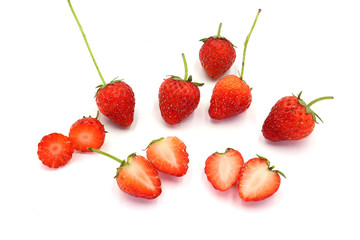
48	81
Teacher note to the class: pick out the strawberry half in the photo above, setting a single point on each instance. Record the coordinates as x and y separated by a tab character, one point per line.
223	169
168	155
55	150
87	132
258	180
136	176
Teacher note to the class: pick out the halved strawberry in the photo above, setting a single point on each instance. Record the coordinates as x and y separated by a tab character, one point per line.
136	176
258	180
87	132
168	155
223	169
55	150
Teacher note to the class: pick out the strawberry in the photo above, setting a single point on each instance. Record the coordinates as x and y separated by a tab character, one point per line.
55	150
258	180
168	155
290	119
231	95
116	99
223	169
136	176
217	55
87	132
178	98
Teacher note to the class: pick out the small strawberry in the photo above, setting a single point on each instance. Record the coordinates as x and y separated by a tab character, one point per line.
136	176
168	155
231	95
223	169
55	150
258	180
87	132
116	99
290	119
217	55
178	98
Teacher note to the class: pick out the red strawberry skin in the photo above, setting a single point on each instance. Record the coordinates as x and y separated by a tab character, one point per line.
231	96
55	150
223	169
288	120
117	101
177	100
257	182
138	178
217	55
87	132
168	155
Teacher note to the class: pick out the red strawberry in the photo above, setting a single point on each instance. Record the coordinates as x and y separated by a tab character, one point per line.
231	96
87	132
115	100
223	169
258	180
55	150
290	119
136	176
178	98
217	55
168	156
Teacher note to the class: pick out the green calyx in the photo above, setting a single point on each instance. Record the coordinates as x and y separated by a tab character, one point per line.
307	106
186	78
271	168
217	36
154	141
227	149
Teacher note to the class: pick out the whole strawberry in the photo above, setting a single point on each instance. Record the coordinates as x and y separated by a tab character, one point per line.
116	101
178	98
217	55
290	119
87	132
231	96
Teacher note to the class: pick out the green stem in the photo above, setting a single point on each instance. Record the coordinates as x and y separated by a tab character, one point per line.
319	99
185	65
87	44
106	154
245	44
219	30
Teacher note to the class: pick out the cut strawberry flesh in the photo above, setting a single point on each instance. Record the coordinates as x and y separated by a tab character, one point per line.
169	156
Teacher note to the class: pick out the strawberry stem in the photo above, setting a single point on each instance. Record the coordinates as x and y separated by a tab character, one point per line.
319	99
245	44
185	65
106	154
219	30
87	44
